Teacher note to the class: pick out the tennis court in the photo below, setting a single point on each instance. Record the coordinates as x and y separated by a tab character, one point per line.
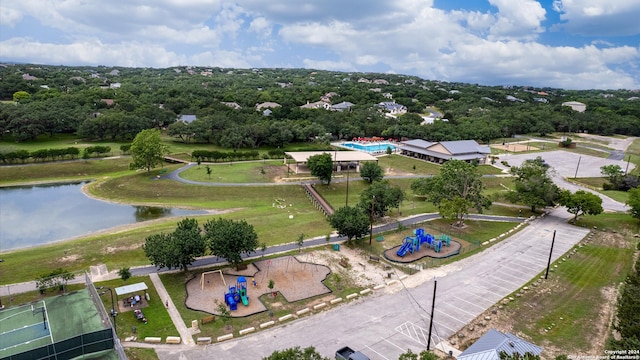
60	325
23	328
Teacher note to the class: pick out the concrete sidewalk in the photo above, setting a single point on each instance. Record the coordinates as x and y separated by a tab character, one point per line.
185	333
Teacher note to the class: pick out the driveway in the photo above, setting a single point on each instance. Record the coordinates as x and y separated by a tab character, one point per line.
396	318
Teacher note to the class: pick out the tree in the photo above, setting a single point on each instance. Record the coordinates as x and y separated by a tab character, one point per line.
296	353
371	171
20	96
534	186
178	249
321	165
456	179
455	209
580	203
124	273
383	195
424	355
351	222
230	239
147	150
634	202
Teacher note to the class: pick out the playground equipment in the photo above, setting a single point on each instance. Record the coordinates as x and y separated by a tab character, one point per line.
237	294
412	243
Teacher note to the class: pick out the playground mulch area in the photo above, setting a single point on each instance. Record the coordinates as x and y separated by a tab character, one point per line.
67	315
425	251
293	279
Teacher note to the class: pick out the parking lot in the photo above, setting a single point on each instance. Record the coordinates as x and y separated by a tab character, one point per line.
385	326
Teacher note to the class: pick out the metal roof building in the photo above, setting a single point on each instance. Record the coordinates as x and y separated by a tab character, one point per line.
439	152
491	344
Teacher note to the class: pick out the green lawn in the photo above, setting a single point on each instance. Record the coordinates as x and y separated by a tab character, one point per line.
65	171
403	164
238	172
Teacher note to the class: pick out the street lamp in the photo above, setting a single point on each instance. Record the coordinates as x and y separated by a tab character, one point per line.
373	199
113	311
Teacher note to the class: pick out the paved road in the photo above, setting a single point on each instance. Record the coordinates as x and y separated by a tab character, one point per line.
393	320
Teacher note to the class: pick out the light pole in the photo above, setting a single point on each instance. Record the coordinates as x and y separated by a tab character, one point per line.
346	203
553	240
373	199
113	311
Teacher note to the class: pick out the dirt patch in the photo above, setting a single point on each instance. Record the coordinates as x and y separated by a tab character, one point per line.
515	147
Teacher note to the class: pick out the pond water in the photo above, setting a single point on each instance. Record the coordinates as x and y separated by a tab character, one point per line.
36	215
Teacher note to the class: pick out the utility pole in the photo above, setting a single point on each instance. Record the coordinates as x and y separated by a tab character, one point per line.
627	169
550	252
433	307
577	167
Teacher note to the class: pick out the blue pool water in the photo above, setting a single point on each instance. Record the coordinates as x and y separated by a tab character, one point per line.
370	148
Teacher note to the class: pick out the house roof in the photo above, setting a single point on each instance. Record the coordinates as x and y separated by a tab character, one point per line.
187	118
418	143
267	104
465	147
345	105
491	344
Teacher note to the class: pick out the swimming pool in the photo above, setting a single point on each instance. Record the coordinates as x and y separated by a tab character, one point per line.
370	148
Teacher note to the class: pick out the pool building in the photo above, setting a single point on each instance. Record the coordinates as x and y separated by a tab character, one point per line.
439	152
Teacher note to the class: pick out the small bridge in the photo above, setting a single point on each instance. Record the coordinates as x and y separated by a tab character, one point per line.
173	160
317	200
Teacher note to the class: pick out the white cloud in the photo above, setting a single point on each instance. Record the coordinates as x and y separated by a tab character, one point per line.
599	17
517	19
9	16
260	26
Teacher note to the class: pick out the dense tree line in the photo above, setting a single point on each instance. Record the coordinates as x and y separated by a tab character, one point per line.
41	155
117	103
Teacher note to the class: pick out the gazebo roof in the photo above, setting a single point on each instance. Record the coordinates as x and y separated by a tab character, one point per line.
128	289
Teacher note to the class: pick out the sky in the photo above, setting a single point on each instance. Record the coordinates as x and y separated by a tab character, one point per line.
570	44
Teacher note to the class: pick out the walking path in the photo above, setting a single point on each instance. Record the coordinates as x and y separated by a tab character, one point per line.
185	333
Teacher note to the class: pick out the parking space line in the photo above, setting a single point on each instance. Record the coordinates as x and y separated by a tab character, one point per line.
384	357
469	302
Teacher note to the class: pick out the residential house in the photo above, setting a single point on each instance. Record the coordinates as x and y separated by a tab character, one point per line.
392	107
380	82
513	98
493	343
376	90
387	95
267	105
363	80
233	105
109	102
327	97
115	72
115	85
284	85
316	105
575	105
28	77
439	152
345	105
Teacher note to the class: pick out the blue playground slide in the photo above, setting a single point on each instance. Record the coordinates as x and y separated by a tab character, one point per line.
233	305
404	249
